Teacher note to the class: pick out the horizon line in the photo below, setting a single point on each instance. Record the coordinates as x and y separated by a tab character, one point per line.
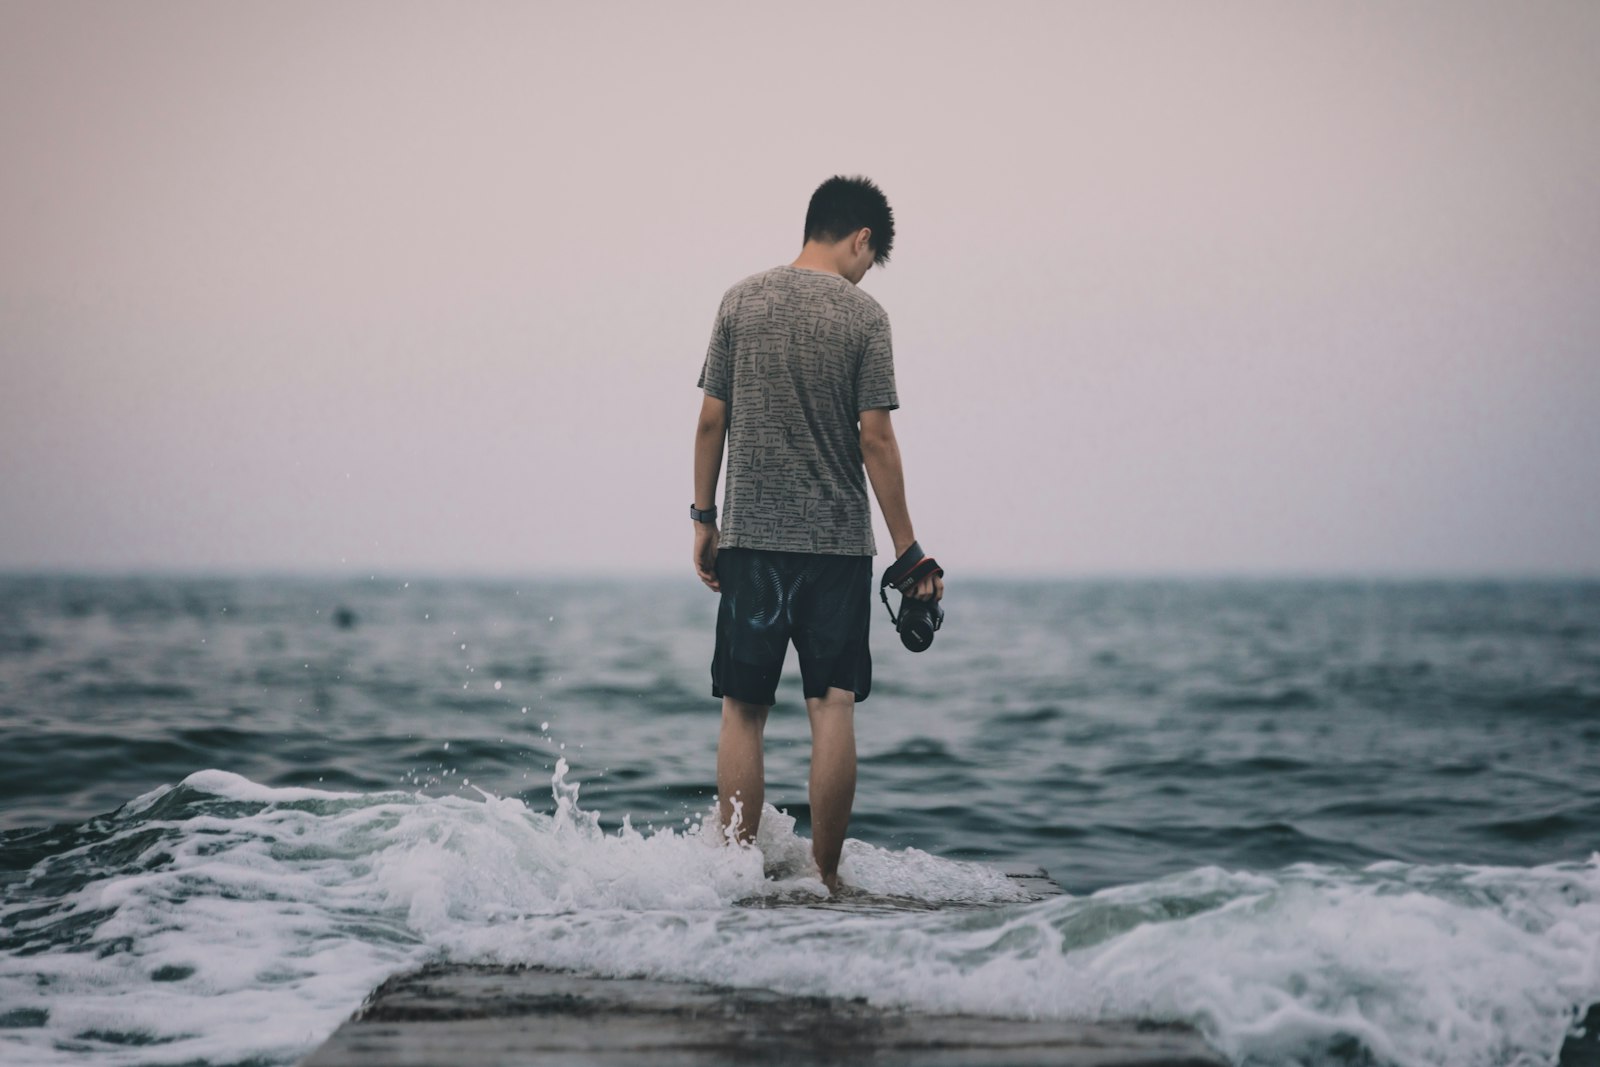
654	575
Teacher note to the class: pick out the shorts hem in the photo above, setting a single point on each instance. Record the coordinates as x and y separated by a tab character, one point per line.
858	694
718	692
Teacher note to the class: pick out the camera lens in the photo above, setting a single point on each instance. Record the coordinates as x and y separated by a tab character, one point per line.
917	623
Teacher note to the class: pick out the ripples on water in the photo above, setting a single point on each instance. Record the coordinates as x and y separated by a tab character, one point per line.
1321	821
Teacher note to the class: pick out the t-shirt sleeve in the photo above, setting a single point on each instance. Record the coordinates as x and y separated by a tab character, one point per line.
875	374
717	373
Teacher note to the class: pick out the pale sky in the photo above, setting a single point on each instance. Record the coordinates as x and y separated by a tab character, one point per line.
1177	288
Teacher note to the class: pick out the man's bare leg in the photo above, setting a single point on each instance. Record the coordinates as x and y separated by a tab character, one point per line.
833	777
741	772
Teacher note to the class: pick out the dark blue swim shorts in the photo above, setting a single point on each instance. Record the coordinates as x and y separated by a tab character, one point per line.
822	603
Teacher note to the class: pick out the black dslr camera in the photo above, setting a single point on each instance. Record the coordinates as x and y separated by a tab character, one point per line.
918	619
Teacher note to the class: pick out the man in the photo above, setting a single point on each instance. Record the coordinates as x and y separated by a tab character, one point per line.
799	383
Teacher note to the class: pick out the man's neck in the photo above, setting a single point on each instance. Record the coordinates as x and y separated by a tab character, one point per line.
811	263
816	255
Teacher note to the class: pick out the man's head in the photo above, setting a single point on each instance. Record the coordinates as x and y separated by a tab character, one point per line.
853	216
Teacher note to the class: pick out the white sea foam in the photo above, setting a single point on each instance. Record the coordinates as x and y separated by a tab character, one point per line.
238	787
247	921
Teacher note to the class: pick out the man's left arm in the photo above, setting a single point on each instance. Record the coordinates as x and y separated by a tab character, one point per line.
710	435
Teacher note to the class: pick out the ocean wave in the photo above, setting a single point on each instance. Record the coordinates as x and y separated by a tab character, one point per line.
220	920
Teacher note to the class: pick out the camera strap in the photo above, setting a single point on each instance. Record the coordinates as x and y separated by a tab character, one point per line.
904	574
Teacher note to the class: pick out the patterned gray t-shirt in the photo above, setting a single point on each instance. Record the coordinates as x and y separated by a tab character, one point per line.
798	355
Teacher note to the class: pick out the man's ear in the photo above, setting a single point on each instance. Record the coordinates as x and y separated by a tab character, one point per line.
863	238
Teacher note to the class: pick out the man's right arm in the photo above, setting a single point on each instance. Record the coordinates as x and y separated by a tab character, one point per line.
880	453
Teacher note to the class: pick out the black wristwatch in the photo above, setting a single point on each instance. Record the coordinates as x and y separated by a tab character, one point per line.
708	515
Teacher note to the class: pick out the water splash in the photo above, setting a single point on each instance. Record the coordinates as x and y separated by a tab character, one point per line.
221	920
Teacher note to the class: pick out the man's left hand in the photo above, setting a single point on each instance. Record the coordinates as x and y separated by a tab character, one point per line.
705	554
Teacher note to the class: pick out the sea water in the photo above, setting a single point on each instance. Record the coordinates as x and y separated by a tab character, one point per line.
1323	822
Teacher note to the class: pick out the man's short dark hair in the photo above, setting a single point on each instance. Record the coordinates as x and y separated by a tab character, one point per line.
841	206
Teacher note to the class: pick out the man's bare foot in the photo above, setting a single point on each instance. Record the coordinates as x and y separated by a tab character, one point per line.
832	882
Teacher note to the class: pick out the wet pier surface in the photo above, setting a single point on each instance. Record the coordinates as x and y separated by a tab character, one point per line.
453	1015
478	1016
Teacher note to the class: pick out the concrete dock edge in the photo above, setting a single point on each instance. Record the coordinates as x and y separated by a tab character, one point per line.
485	1016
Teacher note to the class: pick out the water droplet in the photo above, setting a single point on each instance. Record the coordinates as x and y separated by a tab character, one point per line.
497	685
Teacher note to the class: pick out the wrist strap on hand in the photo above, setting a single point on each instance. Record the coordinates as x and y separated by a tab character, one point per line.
912	566
708	515
904	574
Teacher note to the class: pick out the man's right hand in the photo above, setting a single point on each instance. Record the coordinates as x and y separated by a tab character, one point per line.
705	554
930	588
